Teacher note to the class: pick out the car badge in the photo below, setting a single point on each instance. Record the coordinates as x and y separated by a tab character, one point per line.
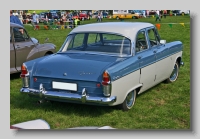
65	74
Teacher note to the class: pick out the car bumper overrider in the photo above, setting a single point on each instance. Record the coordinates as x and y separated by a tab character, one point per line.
84	98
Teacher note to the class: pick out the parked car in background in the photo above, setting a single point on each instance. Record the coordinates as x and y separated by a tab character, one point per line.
42	16
139	12
125	14
24	48
54	15
95	15
105	15
180	12
75	15
83	15
152	12
104	64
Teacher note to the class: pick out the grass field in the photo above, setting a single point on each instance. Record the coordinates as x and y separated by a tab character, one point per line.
165	106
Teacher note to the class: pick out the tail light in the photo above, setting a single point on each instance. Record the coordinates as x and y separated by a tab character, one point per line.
24	71
106	84
24	75
106	78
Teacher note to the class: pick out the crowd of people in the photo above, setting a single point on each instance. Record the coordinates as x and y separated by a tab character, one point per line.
61	19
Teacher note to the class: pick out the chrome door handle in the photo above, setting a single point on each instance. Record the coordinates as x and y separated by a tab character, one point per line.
17	46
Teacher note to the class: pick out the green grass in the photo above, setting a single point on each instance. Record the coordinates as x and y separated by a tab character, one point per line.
165	106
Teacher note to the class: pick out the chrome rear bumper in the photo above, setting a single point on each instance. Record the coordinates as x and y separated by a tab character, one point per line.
84	98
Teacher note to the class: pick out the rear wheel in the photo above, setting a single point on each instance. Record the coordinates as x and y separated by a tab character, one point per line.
174	75
129	101
117	18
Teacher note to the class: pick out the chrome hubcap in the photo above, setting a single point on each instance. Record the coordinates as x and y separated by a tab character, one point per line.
174	73
130	99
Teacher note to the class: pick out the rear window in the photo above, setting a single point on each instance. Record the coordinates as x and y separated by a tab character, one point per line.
98	43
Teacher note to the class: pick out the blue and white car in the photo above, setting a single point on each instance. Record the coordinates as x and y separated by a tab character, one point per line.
104	64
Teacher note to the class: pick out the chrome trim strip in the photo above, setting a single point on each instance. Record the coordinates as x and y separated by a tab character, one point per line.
68	96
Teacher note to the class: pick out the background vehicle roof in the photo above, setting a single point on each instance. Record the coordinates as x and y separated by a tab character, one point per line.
128	29
15	25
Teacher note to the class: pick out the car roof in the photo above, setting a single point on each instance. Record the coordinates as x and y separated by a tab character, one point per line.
15	25
127	29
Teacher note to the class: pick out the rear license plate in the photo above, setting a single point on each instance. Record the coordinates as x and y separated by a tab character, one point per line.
64	86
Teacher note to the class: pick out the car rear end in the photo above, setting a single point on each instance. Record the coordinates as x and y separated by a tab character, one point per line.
90	85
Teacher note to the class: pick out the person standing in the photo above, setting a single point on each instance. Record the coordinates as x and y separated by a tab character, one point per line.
165	13
161	14
99	18
25	20
35	20
77	22
46	17
158	15
147	13
144	13
64	18
20	17
15	19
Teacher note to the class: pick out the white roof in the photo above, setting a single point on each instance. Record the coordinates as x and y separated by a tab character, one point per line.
127	29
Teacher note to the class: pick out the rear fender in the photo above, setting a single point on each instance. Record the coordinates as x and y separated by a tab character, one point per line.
47	47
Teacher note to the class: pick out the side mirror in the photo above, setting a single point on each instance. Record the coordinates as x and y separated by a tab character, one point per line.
163	41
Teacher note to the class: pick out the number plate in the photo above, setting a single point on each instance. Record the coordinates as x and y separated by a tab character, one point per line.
64	86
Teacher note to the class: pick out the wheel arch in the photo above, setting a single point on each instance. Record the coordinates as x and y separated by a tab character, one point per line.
178	60
48	53
137	88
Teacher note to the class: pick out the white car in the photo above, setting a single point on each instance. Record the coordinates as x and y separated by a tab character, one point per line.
184	11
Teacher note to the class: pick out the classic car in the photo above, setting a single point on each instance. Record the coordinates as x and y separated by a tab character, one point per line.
180	12
125	14
139	12
24	48
83	15
104	64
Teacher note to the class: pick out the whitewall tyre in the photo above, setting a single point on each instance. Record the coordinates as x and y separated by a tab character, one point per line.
129	101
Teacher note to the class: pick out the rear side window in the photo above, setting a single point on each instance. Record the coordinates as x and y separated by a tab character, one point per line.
20	34
153	37
141	43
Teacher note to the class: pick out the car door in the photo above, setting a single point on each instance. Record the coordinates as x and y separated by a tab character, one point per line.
12	54
23	46
146	60
161	53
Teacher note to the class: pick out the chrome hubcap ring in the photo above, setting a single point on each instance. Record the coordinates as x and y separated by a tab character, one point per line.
174	73
130	99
